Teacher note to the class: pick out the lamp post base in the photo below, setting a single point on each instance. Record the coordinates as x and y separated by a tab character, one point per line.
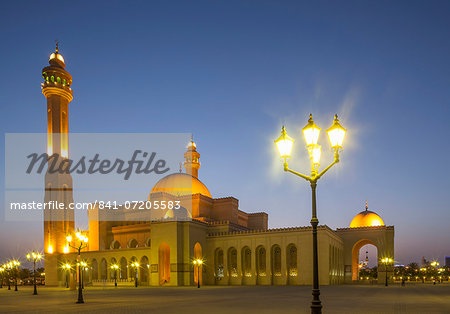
316	304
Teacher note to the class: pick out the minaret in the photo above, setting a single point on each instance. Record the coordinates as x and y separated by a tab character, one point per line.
191	157
58	187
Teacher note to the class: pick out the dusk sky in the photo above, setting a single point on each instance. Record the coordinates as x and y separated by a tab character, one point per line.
232	73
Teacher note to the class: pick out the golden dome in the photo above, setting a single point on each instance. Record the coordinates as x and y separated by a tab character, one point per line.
180	184
366	218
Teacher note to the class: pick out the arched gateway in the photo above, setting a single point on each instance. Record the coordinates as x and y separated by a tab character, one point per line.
367	228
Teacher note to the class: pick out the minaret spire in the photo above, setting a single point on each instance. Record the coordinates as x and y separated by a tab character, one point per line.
191	159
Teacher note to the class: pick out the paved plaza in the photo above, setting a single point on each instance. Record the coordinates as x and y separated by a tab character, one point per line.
417	298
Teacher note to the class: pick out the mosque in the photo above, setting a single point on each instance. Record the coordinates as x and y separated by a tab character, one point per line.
237	247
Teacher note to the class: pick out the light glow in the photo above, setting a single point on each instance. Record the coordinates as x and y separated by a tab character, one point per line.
284	144
64	153
56	55
50	249
336	134
311	132
315	154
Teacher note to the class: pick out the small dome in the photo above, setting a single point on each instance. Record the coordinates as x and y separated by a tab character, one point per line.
177	214
169	214
57	56
366	218
56	59
180	184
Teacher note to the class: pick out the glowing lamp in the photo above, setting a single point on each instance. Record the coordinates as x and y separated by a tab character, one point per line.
315	154
69	238
336	134
311	132
284	144
66	249
50	249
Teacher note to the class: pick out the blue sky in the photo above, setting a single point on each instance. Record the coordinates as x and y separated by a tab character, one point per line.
232	73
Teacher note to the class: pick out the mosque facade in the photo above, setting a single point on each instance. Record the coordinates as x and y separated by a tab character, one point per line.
236	247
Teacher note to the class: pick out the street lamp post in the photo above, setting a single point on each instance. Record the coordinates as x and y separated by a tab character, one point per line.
135	265
284	143
2	271
8	268
35	257
83	269
67	267
16	265
386	261
82	243
115	267
198	262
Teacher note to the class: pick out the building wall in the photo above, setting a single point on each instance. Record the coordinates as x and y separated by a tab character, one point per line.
273	268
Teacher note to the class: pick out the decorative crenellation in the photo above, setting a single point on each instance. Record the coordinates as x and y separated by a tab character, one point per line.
366	228
231	233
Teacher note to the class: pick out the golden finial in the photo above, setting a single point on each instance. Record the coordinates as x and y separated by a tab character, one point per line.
57	46
366	206
310	118
181	170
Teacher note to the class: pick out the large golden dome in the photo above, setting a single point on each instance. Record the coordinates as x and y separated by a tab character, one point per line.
180	184
366	218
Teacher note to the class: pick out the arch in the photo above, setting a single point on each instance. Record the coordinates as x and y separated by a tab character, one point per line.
260	263
132	269
113	272
275	262
218	264
355	256
115	245
132	243
246	261
198	269
123	268
148	242
58	80
94	265
103	269
145	265
246	264
164	263
291	263
232	262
